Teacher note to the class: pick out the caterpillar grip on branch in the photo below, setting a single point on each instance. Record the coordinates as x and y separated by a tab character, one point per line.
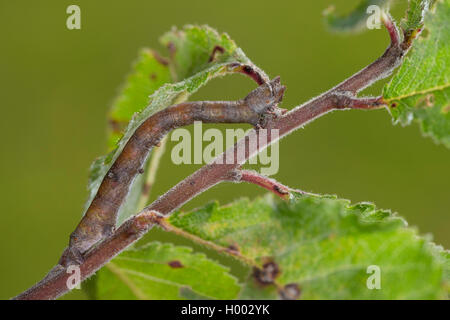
100	218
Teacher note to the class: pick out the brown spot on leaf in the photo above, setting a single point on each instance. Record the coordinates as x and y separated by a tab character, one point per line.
429	100
446	109
426	102
172	49
290	291
233	249
175	264
160	58
153	76
216	49
115	126
394	105
267	275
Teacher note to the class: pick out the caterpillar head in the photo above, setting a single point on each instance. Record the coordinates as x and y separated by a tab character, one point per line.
266	96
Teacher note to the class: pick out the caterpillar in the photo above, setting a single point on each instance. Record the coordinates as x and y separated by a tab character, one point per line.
100	218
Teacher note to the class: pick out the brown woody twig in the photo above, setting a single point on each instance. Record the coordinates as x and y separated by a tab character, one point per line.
343	96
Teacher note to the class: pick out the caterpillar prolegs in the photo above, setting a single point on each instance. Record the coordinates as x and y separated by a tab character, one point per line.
100	218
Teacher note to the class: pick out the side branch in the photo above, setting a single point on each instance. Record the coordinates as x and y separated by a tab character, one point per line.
265	182
277	127
100	218
343	96
383	66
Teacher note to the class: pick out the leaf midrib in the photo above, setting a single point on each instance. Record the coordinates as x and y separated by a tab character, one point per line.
421	92
126	281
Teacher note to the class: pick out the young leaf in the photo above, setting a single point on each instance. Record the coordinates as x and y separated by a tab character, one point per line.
164	271
319	247
150	71
194	61
194	49
420	90
415	14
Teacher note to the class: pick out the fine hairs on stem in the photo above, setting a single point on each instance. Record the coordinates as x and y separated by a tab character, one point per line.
109	243
101	216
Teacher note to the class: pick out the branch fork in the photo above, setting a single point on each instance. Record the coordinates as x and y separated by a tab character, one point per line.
343	96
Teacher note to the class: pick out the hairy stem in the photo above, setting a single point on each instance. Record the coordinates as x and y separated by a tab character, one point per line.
56	282
100	218
265	182
220	170
343	96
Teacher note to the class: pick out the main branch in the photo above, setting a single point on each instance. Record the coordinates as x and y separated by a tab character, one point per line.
278	125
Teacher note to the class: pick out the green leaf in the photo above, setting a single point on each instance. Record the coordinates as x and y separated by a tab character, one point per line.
192	63
420	90
415	14
164	271
149	73
445	256
354	21
195	49
316	247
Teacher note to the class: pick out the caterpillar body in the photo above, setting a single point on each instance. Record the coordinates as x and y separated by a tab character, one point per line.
100	218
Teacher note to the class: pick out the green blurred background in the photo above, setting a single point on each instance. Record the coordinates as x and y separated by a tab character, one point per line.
57	85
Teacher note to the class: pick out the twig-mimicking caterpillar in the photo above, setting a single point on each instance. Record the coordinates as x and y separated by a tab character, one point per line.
100	218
